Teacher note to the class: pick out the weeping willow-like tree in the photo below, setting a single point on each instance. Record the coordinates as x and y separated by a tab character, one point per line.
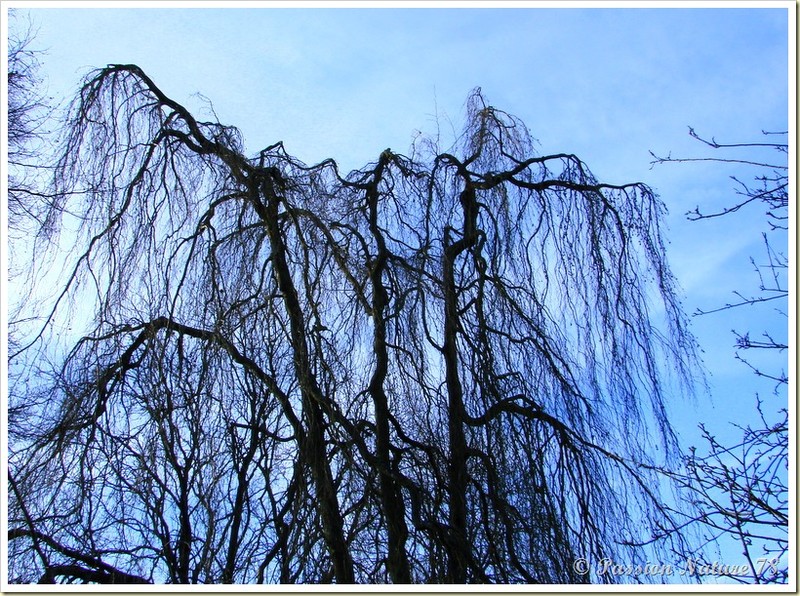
449	367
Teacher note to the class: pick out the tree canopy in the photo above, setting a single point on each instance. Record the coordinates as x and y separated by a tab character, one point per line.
28	112
451	366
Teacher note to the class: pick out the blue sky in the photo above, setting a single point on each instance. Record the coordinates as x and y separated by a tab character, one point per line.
608	84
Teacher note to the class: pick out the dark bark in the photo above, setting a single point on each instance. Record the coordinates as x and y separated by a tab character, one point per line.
458	554
93	569
391	496
314	446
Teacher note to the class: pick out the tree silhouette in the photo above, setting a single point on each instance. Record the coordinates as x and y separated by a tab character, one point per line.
449	367
28	111
740	490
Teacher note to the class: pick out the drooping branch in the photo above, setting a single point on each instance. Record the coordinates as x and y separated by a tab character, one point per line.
402	374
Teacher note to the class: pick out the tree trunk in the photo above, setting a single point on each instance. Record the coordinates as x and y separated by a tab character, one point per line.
391	497
458	549
314	451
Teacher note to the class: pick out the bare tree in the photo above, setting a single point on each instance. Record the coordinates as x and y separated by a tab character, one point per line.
28	112
439	368
741	490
